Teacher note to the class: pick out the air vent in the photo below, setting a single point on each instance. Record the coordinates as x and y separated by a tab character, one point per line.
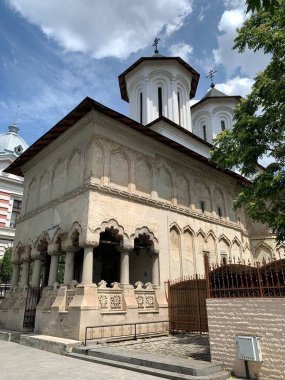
248	348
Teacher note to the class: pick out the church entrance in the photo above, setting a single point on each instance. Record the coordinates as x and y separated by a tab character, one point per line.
106	263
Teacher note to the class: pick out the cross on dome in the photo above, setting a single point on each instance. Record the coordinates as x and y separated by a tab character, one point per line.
211	76
155	43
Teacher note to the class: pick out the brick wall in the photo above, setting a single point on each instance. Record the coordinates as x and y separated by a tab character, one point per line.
249	316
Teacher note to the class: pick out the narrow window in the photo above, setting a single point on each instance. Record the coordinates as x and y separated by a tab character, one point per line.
220	212
15	212
141	107
202	206
223	126
224	258
179	109
204	133
159	101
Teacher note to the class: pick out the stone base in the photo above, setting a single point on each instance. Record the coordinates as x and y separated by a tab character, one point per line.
49	343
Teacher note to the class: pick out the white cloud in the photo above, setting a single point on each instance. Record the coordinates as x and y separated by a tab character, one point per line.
104	28
236	86
181	50
249	62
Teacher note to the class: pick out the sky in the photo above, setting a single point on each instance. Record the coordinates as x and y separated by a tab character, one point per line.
54	53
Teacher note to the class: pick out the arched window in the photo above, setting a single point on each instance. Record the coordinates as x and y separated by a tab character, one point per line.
223	125
204	132
179	107
141	107
159	95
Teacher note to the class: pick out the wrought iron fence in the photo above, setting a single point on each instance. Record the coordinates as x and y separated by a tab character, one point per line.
3	289
240	279
126	330
187	305
33	297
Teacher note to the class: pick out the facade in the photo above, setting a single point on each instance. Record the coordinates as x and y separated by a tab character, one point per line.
11	186
115	206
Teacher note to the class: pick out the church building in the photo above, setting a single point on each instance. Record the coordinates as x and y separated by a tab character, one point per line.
115	206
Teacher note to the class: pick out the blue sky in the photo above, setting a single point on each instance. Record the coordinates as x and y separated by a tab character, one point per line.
54	53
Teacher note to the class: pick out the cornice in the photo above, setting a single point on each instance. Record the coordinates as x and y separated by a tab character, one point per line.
136	198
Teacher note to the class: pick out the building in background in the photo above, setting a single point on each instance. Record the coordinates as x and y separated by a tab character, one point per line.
11	186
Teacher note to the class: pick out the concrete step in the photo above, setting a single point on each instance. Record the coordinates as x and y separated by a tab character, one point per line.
49	343
10	335
157	365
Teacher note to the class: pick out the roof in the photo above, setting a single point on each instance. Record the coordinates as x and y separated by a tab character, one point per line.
181	129
84	108
213	93
12	143
158	57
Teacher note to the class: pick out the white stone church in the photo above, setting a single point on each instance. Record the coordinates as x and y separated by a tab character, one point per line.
115	206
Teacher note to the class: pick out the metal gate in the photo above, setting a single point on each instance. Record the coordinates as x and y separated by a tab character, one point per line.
187	305
33	297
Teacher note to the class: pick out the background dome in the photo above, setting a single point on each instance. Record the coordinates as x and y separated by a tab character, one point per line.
11	143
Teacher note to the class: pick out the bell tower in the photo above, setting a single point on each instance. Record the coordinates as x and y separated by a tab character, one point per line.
159	86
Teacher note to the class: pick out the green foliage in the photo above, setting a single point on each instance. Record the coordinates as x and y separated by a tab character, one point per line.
260	124
6	267
268	5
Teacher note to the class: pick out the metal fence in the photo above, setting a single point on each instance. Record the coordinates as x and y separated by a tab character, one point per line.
33	297
187	305
240	279
3	289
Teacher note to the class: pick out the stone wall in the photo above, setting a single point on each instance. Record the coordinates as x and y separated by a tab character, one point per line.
250	316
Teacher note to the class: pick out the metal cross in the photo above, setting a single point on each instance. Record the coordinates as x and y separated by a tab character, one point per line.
155	43
211	76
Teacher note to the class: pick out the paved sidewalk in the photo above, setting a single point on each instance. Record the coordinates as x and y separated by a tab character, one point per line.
20	362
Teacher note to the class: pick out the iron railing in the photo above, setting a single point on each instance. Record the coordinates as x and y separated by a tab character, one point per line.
131	331
3	289
240	279
187	305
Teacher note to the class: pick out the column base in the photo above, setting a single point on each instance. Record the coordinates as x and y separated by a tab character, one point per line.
86	297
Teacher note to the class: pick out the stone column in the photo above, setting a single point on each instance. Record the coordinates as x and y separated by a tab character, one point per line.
87	273
36	273
69	267
53	251
155	269
125	267
25	267
15	275
25	274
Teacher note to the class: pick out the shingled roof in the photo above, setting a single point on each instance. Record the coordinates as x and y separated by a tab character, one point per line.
84	108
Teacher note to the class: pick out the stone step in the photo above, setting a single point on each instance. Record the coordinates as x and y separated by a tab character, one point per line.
157	365
10	335
49	343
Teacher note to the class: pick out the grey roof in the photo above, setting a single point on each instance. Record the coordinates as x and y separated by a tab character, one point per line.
213	93
12	143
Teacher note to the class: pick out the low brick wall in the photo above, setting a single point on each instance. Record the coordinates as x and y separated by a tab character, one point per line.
265	318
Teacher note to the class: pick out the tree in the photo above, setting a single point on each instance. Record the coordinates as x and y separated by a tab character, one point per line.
268	5
6	267
259	124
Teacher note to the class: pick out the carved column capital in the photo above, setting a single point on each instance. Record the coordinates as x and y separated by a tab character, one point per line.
36	254
88	244
26	255
53	249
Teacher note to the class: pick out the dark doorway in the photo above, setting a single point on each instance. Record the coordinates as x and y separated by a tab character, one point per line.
106	263
140	260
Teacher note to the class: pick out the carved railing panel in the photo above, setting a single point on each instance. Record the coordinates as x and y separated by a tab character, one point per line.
145	297
110	299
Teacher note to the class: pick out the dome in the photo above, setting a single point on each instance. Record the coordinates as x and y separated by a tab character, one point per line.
11	143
